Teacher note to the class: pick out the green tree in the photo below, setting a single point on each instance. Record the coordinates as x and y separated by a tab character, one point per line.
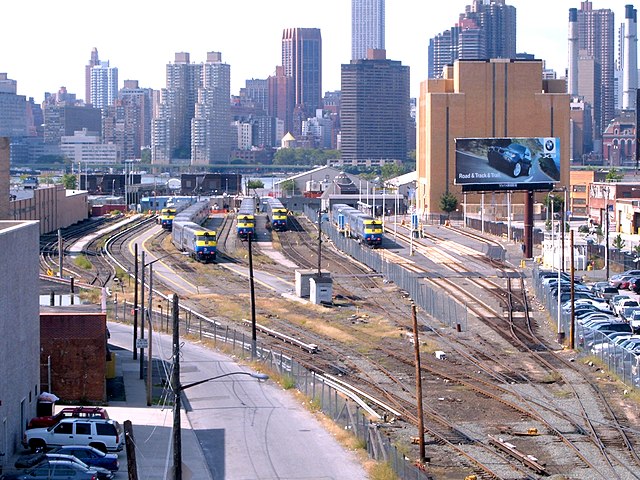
448	203
288	187
636	250
556	200
145	155
390	170
253	184
614	175
618	242
69	181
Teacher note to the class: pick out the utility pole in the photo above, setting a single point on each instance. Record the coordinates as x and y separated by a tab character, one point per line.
175	386
572	324
135	303
416	346
142	318
319	243
253	301
149	350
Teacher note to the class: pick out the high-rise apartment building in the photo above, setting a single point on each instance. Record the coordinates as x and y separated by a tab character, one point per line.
596	42
367	27
374	111
104	85
193	118
13	109
302	60
93	61
280	104
485	30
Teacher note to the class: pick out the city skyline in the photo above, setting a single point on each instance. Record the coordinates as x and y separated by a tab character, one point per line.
60	43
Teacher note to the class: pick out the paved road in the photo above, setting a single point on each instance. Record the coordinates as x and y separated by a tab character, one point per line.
247	429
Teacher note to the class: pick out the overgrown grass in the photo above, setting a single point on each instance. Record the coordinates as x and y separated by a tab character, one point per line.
83	262
382	471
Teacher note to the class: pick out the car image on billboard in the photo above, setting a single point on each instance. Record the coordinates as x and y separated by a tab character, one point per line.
497	163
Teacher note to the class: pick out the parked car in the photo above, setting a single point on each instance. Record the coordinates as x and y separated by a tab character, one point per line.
608	292
68	412
617	308
616	280
91	456
54	470
634	321
33	460
514	160
105	435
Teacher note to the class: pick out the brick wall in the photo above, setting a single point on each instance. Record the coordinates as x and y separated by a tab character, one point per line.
77	347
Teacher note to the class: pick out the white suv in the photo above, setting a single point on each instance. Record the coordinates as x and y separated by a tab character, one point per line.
105	435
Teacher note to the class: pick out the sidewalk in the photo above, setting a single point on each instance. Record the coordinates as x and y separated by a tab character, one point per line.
152	426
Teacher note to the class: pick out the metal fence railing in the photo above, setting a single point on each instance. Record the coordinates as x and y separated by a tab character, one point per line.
620	361
342	409
438	305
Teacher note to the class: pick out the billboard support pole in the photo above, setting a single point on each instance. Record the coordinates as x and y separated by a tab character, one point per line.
528	224
464	209
509	215
482	212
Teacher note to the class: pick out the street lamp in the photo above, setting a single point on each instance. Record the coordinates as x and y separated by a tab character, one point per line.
179	388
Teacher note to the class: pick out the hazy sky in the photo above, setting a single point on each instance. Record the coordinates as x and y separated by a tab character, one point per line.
46	45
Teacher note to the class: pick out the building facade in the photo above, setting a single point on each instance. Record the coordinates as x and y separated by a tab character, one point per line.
596	44
193	118
374	112
19	333
367	27
104	85
485	30
484	99
302	61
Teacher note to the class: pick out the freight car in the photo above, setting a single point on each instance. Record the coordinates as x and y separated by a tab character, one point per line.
356	224
277	214
246	220
188	234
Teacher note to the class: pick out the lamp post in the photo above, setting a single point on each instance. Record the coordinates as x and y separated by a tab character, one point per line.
605	189
178	388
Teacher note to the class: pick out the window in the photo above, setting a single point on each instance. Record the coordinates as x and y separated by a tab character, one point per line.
64	429
83	428
105	429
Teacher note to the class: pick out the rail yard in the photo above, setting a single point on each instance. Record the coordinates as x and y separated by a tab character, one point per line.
502	399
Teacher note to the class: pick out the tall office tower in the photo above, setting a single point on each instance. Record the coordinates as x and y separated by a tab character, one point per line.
302	60
87	74
104	85
211	126
484	30
280	104
374	111
596	40
367	27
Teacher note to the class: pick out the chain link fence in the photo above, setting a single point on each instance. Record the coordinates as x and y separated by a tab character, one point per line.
622	362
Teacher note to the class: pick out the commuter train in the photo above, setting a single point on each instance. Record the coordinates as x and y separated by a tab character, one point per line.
246	219
188	234
166	217
277	214
356	224
168	213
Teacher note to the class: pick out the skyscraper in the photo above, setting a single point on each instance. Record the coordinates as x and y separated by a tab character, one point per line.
484	30
87	74
596	41
374	112
302	60
104	85
193	117
367	27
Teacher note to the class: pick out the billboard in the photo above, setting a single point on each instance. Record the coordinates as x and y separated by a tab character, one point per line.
484	164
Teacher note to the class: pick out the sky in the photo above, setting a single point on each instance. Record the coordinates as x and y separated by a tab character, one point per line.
46	45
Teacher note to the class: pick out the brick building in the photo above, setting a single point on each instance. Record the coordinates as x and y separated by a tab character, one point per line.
74	344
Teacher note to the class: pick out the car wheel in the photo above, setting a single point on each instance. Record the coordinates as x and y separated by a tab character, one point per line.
37	446
517	169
